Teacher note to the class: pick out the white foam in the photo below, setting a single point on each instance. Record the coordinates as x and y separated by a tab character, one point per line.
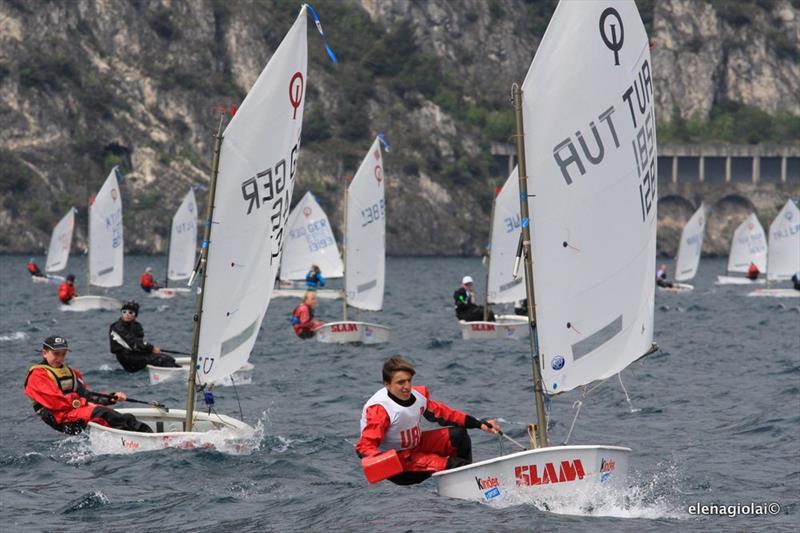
16	336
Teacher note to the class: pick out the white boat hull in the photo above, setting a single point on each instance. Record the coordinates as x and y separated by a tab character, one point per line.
544	474
50	278
677	288
93	303
322	294
504	327
163	293
776	293
738	280
161	374
212	431
346	332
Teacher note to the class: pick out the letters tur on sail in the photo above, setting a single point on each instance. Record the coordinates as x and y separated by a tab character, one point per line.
257	168
60	243
590	143
105	235
183	239
366	233
691	246
506	229
310	240
749	245
783	258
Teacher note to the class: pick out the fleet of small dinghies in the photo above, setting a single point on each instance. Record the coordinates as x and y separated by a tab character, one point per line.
364	254
689	251
783	258
590	289
105	247
182	248
58	251
261	143
502	286
309	241
749	245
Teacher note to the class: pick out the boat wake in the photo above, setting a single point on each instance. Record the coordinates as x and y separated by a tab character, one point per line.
16	336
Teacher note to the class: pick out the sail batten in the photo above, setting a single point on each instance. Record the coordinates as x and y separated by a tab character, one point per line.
257	167
590	142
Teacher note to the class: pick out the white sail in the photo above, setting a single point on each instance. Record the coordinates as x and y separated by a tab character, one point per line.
257	168
309	240
60	243
749	245
691	246
366	234
783	258
183	239
590	142
506	229
105	235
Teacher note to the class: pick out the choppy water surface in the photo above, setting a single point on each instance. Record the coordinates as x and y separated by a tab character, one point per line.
715	418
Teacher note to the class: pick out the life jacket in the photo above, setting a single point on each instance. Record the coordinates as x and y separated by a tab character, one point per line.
66	292
33	268
68	382
313	280
146	281
404	431
296	314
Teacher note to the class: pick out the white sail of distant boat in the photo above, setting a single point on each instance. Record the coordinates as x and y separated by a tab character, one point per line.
58	252
309	241
183	239
783	257
749	245
251	192
689	251
105	246
501	286
589	140
364	251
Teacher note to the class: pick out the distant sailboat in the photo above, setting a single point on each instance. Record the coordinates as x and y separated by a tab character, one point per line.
689	251
182	247
783	258
105	247
585	120
309	241
501	285
364	253
58	252
255	162
749	245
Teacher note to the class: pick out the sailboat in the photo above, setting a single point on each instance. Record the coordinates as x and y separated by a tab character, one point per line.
105	247
58	252
749	245
182	247
364	253
689	251
783	258
309	241
585	117
253	172
501	285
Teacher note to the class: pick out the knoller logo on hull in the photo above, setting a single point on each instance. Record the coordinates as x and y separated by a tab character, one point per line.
490	487
527	475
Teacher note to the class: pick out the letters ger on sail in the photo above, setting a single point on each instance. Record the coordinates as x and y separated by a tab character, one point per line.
105	235
309	240
257	168
366	233
590	140
506	228
60	243
183	239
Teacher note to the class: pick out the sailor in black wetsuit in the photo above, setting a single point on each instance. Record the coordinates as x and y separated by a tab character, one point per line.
126	337
464	300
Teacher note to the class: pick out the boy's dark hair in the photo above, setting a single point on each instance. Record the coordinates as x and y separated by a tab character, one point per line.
394	364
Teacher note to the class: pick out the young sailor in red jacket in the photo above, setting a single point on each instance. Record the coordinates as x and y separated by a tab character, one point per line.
34	270
66	291
752	272
63	402
303	321
147	282
391	420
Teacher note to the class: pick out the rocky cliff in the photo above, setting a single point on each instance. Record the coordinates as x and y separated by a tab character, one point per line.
89	84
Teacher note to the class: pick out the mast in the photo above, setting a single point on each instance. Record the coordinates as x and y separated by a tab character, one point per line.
169	249
198	315
88	244
344	255
538	389
489	258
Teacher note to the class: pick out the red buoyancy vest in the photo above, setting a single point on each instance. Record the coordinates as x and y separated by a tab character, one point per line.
33	268
146	281
66	292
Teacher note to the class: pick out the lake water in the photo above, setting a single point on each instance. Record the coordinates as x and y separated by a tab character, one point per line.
715	418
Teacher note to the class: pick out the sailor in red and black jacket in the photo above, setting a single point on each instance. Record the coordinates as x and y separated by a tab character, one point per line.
66	291
391	420
303	321
34	269
62	400
147	282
